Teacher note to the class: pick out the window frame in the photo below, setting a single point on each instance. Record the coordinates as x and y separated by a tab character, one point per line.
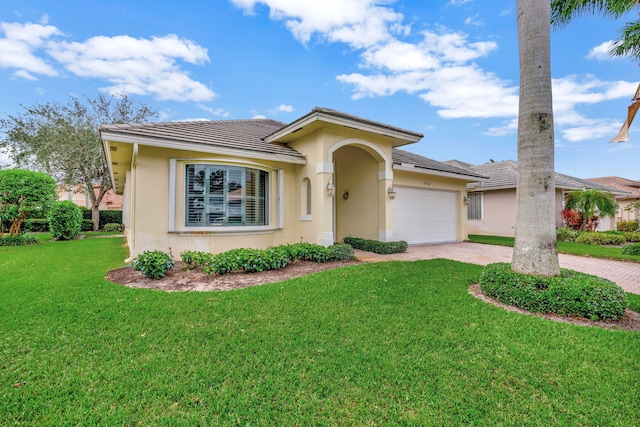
480	208
224	197
177	200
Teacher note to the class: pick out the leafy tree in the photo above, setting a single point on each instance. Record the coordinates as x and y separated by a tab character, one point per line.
63	140
592	204
21	193
535	250
627	44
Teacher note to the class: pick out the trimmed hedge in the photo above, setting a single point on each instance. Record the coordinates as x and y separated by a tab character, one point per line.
627	226
273	258
112	228
571	294
597	238
375	246
631	249
106	217
19	240
566	234
86	225
65	220
632	236
36	225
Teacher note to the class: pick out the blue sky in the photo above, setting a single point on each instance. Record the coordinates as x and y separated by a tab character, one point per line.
445	68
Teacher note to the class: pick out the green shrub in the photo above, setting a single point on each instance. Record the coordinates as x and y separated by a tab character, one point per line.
153	264
112	227
616	232
598	238
192	259
247	260
109	217
106	217
18	240
86	225
627	226
631	249
632	236
376	246
570	294
36	225
341	252
566	234
273	258
65	220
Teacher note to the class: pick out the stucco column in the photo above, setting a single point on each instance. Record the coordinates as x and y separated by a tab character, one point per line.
325	203
385	217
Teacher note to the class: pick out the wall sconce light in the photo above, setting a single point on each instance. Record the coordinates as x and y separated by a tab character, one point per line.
391	192
331	189
345	195
466	200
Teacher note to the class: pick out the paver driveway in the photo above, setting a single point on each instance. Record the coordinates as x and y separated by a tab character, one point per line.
625	274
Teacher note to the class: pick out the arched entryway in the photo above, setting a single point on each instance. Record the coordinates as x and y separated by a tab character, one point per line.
361	174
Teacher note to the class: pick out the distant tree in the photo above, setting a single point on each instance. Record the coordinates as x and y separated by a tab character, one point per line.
21	193
627	44
535	250
593	204
63	140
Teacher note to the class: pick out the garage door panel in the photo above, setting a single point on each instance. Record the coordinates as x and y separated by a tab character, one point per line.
424	215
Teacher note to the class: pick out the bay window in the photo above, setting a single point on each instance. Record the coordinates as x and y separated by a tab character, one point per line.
224	196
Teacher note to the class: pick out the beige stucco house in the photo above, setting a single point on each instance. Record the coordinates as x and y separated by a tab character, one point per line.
77	194
492	202
217	185
627	200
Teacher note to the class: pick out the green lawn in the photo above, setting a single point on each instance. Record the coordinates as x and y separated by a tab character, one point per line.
595	251
378	344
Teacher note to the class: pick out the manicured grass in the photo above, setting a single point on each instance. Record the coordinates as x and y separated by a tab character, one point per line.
564	247
376	344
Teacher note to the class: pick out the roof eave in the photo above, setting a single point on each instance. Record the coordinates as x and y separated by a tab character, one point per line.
407	137
194	146
426	171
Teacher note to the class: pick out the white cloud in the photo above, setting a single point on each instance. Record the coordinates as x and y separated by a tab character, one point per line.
19	45
473	20
259	116
601	52
282	108
218	112
439	67
571	92
137	66
359	23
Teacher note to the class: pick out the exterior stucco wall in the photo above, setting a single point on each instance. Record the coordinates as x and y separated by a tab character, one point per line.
357	173
499	213
151	206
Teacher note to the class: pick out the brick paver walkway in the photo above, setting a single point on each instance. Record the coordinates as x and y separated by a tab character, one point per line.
625	274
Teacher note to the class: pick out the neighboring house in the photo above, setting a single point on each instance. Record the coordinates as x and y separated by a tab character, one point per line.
217	185
626	212
78	195
492	203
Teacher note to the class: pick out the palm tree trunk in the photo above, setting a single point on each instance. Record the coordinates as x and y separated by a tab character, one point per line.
535	250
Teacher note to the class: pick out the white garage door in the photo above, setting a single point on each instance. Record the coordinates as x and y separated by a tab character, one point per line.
425	216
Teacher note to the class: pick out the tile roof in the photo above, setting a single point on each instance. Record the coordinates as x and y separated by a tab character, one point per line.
623	184
236	134
363	120
504	174
402	156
